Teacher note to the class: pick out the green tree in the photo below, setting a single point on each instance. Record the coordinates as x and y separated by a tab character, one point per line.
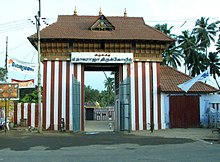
214	64
91	95
171	55
30	97
197	62
2	74
164	29
204	32
109	85
218	46
190	49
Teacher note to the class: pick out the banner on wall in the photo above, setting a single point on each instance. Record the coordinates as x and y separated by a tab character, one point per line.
24	83
101	57
20	66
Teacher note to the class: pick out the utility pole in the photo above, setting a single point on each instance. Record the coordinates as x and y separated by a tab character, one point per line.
38	18
6	80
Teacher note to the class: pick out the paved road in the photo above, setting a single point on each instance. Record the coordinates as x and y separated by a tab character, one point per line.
59	147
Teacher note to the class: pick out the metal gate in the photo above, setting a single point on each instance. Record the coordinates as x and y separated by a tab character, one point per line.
125	105
76	105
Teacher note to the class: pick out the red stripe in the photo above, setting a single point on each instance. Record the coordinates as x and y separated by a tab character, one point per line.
22	111
29	114
158	97
36	115
52	95
136	95
44	99
129	70
151	94
75	71
82	96
60	95
67	94
144	95
120	72
16	113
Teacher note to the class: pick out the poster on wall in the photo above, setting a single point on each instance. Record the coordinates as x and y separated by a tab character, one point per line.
9	91
24	83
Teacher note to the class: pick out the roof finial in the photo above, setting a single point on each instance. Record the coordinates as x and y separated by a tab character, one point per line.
125	13
100	11
75	12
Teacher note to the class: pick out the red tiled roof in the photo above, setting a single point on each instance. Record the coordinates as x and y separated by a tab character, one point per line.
170	78
77	27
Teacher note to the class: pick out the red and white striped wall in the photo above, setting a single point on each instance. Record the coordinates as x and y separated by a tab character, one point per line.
145	95
57	93
28	111
58	87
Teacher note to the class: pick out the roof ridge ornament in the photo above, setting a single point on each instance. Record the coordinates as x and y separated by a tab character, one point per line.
125	13
100	11
75	12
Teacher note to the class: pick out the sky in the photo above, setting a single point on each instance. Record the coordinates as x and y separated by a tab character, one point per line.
17	17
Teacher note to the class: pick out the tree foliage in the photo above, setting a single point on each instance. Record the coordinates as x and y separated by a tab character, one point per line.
2	74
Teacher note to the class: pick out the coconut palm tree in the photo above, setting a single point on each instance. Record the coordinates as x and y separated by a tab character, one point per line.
218	46
214	64
109	85
164	29
197	62
171	55
189	48
205	32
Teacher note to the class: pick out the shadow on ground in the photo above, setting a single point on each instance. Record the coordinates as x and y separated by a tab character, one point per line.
22	142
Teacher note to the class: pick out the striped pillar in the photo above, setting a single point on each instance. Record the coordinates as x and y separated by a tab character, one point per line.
57	93
145	95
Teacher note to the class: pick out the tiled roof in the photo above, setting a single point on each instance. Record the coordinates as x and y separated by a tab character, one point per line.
77	27
170	78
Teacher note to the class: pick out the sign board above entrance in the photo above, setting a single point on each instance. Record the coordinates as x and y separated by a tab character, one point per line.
101	57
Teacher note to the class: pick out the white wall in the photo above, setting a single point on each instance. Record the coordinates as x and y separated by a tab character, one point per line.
205	103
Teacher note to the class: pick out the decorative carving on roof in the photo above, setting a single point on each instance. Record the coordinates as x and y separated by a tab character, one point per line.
102	24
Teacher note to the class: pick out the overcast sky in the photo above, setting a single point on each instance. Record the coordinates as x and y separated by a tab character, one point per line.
15	15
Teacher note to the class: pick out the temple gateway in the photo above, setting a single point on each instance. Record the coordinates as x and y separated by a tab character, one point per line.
125	45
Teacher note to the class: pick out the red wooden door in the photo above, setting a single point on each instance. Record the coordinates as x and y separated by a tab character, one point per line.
184	112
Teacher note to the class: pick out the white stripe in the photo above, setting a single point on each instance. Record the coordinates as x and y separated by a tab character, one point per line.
63	77
125	72
163	124
19	114
148	93
48	87
155	95
25	110
33	114
56	94
140	97
79	79
132	97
